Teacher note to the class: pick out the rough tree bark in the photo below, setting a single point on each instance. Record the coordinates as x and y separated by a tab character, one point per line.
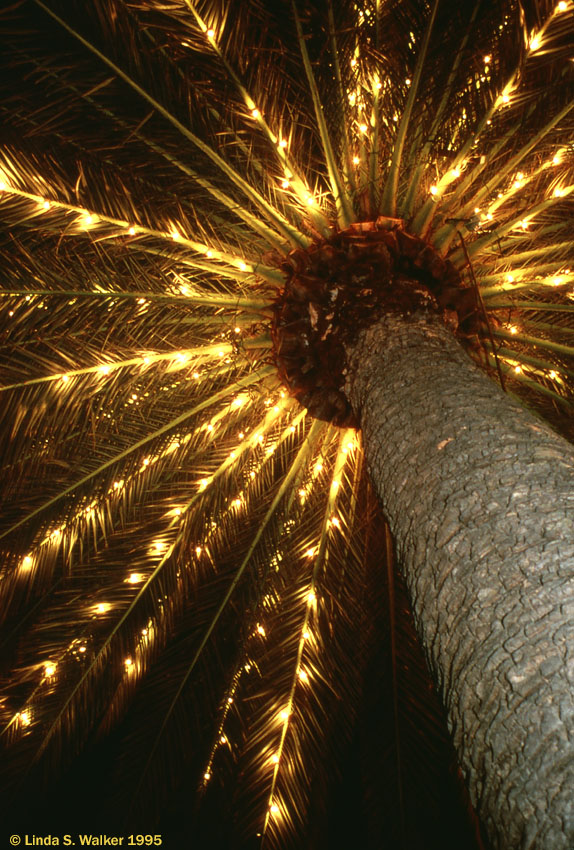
479	495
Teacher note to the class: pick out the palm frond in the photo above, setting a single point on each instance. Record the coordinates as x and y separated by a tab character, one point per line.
199	594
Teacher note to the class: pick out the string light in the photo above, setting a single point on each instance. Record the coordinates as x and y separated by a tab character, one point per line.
134	578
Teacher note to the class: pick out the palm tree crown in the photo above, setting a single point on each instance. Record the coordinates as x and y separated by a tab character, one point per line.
199	201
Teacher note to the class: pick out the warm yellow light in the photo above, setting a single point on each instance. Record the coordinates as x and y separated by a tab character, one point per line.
518	369
283	143
275	758
24	718
128	662
132	231
487	59
285	184
534	43
49	669
510	278
356	160
363	128
210	33
552	375
562	6
134	578
311	597
46	205
284	715
274	809
102	607
505	97
433	190
303	675
261	631
513	329
198	551
27	562
207	776
255	113
306	634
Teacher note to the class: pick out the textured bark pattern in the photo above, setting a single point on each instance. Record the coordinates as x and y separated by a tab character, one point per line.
480	497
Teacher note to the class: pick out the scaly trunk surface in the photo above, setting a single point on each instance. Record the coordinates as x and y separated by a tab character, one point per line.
479	495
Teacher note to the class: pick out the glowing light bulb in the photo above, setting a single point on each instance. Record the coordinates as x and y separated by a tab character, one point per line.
505	97
49	669
306	634
303	675
284	715
128	662
283	143
132	231
562	6
487	59
356	160
255	113
274	809
46	205
27	562
534	43
261	630
102	607
513	329
363	128
285	184
552	375
518	369
65	378
433	190
311	597
275	758
210	33
134	578
24	718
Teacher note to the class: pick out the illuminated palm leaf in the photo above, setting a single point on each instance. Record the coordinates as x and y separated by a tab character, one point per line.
188	574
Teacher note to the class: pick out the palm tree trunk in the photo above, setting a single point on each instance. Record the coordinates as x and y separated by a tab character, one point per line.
480	498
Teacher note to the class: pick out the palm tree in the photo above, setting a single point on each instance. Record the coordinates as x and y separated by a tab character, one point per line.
266	267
